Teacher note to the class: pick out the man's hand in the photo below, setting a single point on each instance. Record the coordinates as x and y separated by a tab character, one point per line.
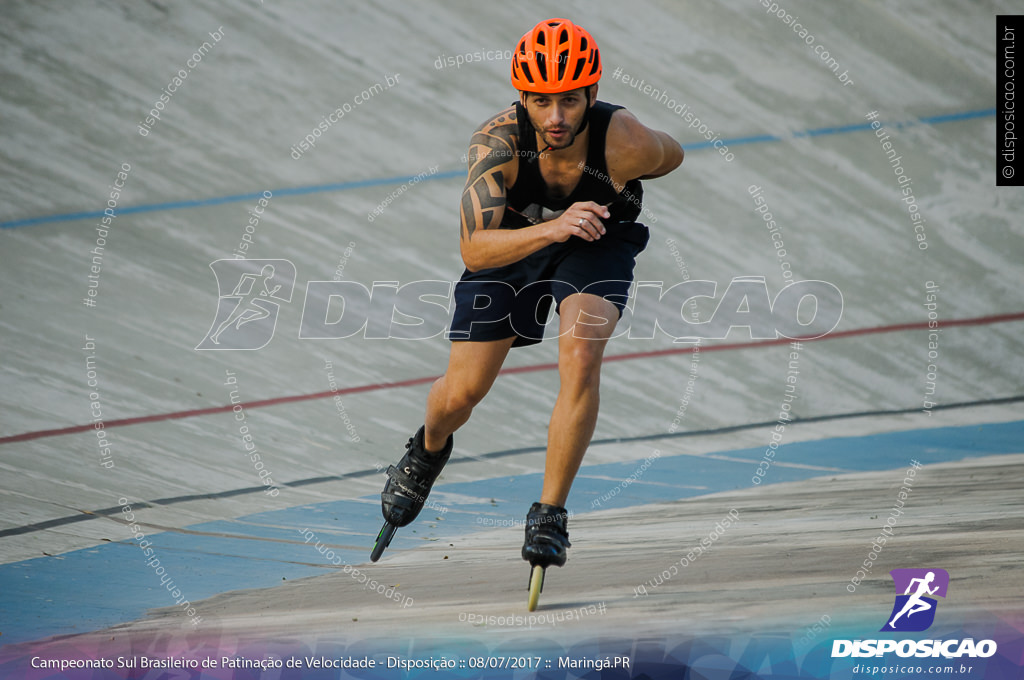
581	219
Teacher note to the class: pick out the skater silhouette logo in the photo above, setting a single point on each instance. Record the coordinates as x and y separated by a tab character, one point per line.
914	609
250	297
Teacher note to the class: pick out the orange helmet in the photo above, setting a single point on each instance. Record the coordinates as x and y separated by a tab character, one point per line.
555	56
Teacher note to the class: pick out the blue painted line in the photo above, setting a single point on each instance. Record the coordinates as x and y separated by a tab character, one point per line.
733	141
845	129
449	174
964	115
101	586
234	198
839	130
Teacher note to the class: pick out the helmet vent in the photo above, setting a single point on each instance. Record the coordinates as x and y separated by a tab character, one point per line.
555	40
579	68
526	72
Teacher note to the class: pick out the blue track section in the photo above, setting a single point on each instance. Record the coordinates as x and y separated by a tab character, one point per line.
111	583
449	174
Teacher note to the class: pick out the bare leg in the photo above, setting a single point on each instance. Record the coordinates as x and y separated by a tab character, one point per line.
586	323
472	369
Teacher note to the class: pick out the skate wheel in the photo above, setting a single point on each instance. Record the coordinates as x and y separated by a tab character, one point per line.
536	586
383	540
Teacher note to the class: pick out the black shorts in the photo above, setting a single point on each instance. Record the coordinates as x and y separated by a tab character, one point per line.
515	300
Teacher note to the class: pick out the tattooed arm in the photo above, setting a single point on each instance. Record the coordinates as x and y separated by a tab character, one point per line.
493	167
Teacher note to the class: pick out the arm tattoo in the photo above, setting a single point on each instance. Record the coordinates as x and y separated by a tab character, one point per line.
483	199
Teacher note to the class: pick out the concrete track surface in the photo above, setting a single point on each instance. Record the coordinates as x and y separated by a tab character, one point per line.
118	436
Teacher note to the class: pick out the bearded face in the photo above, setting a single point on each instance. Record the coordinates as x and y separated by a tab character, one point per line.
558	118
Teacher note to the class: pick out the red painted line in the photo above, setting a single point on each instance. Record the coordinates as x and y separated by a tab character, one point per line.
176	415
896	328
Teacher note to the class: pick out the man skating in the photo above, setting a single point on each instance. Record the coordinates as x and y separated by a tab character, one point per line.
551	199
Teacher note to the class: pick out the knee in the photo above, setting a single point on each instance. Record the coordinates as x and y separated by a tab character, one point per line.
460	397
580	362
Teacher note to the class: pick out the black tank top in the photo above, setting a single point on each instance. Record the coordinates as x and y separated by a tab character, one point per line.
529	202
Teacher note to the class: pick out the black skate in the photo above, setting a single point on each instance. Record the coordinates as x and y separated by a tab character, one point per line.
547	537
407	488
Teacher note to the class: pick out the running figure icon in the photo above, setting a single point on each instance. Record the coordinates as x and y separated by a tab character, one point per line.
249	299
250	305
917	591
915	604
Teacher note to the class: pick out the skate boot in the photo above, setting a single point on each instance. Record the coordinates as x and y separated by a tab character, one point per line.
409	482
547	537
407	488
